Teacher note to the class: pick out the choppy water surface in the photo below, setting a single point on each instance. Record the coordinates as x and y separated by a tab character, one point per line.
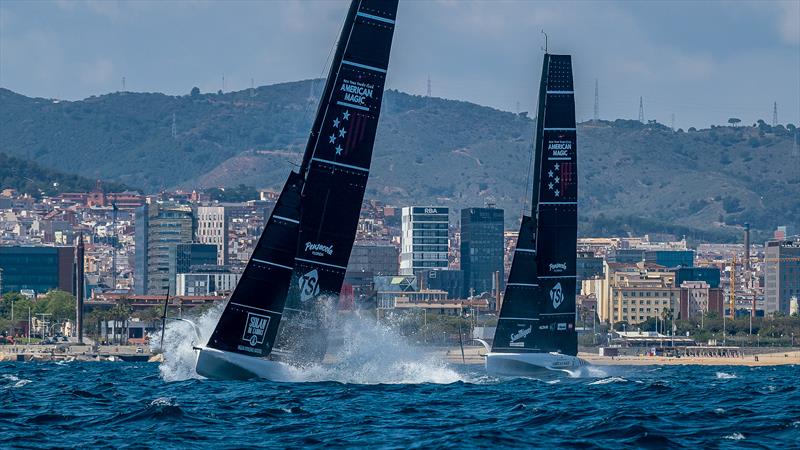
383	392
131	405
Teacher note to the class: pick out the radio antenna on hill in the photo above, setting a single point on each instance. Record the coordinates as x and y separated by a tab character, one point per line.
252	87
174	128
672	121
775	114
596	101
641	110
429	85
123	84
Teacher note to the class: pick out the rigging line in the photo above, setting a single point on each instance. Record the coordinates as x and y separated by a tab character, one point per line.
313	83
324	111
530	164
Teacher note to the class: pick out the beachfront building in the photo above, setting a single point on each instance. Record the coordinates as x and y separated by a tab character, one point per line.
633	293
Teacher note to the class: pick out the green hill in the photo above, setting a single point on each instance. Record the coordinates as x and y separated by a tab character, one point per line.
31	178
634	177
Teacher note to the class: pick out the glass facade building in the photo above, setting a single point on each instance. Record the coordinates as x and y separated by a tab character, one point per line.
781	274
424	241
671	258
481	249
40	269
710	275
159	228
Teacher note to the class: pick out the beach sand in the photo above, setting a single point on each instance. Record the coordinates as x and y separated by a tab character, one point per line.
475	355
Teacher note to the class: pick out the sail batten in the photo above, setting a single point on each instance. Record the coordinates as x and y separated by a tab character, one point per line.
538	311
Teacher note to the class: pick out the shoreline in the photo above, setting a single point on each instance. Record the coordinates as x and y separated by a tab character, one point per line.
475	356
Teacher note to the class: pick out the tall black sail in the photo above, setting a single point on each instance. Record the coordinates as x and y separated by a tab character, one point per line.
320	204
538	312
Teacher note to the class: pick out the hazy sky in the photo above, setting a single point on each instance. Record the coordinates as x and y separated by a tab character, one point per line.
702	61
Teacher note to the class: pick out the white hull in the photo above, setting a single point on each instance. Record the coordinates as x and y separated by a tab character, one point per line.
522	364
222	365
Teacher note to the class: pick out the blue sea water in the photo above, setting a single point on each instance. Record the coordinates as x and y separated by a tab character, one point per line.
128	405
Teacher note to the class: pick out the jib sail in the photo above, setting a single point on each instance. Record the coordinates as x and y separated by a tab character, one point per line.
538	312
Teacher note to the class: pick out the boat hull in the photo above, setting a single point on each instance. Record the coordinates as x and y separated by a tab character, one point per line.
222	365
524	364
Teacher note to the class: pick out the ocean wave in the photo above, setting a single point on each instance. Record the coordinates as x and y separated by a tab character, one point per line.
726	376
735	436
609	381
15	382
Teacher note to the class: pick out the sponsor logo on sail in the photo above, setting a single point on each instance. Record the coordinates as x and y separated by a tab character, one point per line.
255	329
319	249
560	148
309	285
356	92
431	211
558	267
557	295
521	334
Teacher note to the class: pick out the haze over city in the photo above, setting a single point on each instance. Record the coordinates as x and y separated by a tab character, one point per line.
704	62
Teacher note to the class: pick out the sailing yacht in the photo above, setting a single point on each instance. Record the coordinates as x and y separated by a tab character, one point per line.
536	326
279	312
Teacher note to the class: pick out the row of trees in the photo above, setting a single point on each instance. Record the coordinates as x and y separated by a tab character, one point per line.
59	306
775	330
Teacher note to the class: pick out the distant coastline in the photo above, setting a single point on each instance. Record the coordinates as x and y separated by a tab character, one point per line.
474	356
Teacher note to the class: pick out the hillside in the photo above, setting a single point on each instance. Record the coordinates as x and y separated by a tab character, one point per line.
31	178
634	177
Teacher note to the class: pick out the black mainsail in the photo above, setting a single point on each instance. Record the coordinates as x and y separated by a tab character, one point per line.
538	311
301	257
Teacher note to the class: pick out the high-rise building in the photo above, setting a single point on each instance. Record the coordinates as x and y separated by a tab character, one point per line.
37	268
212	228
141	229
424	239
159	228
481	249
781	274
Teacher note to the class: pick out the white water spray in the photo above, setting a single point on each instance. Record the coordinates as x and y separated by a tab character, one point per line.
179	338
365	352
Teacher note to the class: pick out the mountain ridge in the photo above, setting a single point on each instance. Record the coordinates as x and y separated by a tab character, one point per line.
633	177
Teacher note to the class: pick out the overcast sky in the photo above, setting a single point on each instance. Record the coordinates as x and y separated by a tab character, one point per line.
701	61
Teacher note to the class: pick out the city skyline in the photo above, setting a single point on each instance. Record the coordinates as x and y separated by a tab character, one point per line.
704	64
